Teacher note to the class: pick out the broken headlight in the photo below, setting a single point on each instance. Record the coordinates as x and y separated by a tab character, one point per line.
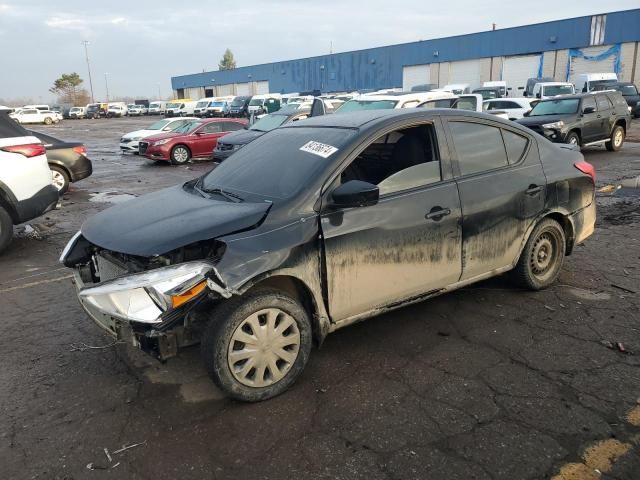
145	297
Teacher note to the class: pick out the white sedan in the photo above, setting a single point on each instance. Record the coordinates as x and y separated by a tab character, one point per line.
32	115
130	142
514	107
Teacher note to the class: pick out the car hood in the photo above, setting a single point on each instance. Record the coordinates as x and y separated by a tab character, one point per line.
161	136
141	133
542	119
162	221
241	137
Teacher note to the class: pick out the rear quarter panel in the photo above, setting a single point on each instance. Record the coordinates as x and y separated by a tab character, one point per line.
23	176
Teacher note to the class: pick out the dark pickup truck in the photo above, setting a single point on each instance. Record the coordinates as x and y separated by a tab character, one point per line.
584	119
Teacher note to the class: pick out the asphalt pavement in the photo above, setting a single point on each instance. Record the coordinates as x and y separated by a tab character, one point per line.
489	382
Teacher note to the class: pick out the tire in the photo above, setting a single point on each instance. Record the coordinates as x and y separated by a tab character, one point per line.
231	320
60	179
573	139
542	258
616	140
48	121
180	154
6	229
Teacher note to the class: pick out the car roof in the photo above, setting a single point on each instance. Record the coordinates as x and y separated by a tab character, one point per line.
576	96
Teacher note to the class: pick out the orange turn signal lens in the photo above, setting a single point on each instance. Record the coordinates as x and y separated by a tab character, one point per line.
183	298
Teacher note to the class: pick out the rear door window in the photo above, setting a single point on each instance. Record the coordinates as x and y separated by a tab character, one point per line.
588	102
603	103
515	144
232	126
479	147
213	127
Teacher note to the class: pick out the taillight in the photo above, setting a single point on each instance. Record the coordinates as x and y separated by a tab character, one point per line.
29	150
80	150
586	168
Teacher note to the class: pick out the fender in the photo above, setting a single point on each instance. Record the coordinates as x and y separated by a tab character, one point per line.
8	201
546	213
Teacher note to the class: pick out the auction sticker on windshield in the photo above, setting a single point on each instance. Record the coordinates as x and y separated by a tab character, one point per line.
320	149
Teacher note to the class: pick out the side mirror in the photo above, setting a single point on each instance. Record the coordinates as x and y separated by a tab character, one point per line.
588	110
318	108
526	114
538	95
355	193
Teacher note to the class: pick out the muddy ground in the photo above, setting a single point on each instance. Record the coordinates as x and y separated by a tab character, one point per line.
489	382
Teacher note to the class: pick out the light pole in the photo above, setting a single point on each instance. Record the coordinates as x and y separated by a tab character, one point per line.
106	84
86	54
159	95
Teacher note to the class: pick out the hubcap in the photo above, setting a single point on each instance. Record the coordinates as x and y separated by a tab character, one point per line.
57	179
617	139
573	141
181	154
263	348
544	254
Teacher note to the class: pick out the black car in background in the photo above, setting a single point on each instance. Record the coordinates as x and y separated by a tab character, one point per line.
630	93
67	160
240	107
323	223
583	119
234	141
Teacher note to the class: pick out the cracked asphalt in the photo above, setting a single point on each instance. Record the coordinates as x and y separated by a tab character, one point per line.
488	382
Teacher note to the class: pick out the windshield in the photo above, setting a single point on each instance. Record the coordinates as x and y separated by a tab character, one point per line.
467	103
188	127
627	90
132	106
202	104
487	94
154	105
256	102
554	90
216	104
355	105
91	108
555	107
159	125
75	109
174	105
237	102
274	166
268	123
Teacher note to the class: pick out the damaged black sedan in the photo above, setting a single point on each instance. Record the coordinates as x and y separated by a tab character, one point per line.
325	222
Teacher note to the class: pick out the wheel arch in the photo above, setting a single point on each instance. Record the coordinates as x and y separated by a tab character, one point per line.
563	218
182	145
623	123
55	163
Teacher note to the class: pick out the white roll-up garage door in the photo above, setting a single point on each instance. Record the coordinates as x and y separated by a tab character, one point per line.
243	89
415	75
262	88
517	70
467	71
224	90
580	65
194	93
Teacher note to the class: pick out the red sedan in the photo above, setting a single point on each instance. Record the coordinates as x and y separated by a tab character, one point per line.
195	139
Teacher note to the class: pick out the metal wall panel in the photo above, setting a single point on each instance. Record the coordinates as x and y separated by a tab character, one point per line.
465	72
224	90
580	65
262	88
517	70
415	75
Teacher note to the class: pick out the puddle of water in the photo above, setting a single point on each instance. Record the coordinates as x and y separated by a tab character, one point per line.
111	197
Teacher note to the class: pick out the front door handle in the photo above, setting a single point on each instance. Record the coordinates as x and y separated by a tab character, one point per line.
534	190
437	213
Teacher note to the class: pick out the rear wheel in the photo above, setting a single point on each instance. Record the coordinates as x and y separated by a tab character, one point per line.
616	140
59	178
256	346
6	229
541	260
180	155
573	139
48	121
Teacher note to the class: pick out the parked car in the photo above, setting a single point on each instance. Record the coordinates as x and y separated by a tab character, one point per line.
501	85
217	108
95	110
457	88
29	115
67	160
630	93
130	142
26	191
239	106
234	141
470	101
583	119
292	237
194	139
77	112
392	101
514	107
157	108
116	110
134	110
267	103
587	82
200	109
543	90
489	92
528	91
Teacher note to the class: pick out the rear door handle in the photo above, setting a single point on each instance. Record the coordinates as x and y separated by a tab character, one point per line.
534	190
437	213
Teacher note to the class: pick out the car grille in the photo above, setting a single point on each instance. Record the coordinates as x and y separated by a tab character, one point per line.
142	147
108	270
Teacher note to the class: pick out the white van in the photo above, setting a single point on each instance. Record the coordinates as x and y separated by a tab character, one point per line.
77	112
587	81
200	109
553	89
257	102
181	108
158	107
117	109
500	84
37	107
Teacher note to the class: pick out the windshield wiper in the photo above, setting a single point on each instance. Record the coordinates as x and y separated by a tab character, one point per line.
223	193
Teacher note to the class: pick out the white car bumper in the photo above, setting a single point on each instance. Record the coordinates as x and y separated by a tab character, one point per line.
129	145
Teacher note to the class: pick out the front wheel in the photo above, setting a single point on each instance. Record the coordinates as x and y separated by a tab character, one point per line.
180	155
543	255
48	121
573	139
256	346
616	140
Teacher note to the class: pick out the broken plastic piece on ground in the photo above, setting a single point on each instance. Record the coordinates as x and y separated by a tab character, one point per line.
93	466
608	188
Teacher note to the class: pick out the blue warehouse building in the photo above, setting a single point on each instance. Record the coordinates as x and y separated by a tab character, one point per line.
559	49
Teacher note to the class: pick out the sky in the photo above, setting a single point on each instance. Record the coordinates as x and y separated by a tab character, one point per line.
141	44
